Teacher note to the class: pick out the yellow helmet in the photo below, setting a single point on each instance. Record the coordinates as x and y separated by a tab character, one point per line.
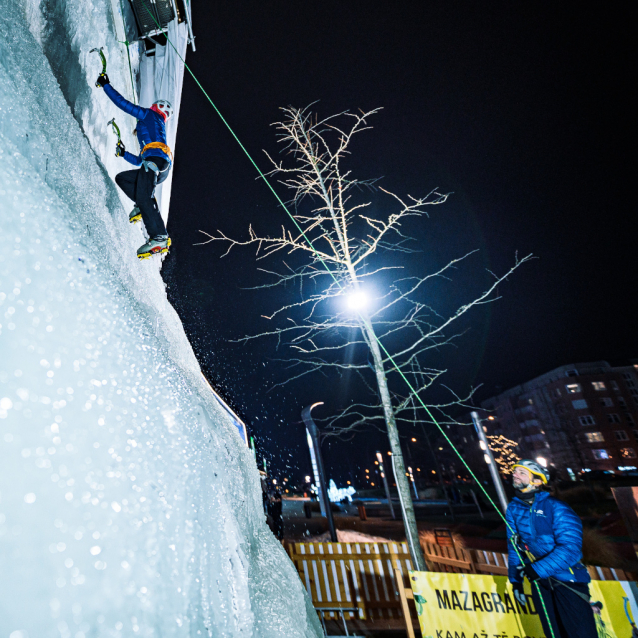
535	468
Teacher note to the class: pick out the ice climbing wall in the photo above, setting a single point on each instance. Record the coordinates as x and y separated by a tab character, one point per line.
128	504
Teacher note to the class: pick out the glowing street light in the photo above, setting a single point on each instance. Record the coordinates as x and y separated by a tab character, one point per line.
357	300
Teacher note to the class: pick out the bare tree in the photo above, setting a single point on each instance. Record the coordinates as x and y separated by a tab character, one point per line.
333	252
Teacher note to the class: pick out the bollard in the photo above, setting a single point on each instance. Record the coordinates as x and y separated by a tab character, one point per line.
362	512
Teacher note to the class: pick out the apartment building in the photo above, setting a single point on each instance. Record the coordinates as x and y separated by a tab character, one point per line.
577	417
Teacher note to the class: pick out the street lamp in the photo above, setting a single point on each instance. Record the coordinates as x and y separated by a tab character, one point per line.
314	445
385	483
489	459
411	475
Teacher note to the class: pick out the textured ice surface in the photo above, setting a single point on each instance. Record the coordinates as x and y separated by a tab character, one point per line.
128	504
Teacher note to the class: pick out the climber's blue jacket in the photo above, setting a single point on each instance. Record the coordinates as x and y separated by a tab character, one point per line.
150	127
552	532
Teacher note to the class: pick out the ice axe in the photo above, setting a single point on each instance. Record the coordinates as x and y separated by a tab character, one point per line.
116	129
103	58
119	147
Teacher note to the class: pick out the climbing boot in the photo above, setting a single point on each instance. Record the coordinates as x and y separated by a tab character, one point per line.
157	246
135	216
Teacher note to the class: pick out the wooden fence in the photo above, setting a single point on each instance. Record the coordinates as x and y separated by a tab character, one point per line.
367	583
358	577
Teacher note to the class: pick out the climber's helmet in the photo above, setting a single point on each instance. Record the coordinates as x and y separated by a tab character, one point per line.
164	108
535	469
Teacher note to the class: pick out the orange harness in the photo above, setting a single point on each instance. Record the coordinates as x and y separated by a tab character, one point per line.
159	145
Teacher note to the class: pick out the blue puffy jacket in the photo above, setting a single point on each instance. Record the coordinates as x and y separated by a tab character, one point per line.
150	126
552	532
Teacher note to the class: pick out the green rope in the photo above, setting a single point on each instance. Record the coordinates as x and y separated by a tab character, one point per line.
390	358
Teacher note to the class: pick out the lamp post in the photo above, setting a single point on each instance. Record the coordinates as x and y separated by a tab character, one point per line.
416	494
314	444
385	484
489	459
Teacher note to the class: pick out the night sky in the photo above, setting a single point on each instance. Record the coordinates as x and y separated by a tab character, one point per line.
522	110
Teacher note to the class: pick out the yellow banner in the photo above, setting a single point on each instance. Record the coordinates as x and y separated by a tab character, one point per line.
473	606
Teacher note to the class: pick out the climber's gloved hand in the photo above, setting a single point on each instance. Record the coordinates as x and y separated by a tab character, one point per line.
527	571
519	594
102	80
120	149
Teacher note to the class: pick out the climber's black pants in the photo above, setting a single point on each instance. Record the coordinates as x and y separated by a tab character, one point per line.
139	185
570	615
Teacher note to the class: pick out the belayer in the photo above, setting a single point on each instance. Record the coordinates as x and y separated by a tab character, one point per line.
545	546
155	160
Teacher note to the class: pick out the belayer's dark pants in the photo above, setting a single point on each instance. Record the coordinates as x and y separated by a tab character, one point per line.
571	616
139	185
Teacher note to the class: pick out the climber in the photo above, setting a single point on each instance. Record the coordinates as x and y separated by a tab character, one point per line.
545	546
155	160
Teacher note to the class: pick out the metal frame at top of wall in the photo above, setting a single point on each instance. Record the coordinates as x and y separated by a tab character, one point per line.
181	12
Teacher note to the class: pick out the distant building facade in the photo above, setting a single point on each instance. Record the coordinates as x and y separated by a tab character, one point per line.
580	416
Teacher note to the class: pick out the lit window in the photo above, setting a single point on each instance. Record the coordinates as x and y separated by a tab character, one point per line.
598	385
628	453
594	437
600	454
579	404
621	435
587	420
613	418
573	388
606	402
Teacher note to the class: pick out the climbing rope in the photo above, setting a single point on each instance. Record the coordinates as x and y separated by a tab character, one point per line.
339	285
